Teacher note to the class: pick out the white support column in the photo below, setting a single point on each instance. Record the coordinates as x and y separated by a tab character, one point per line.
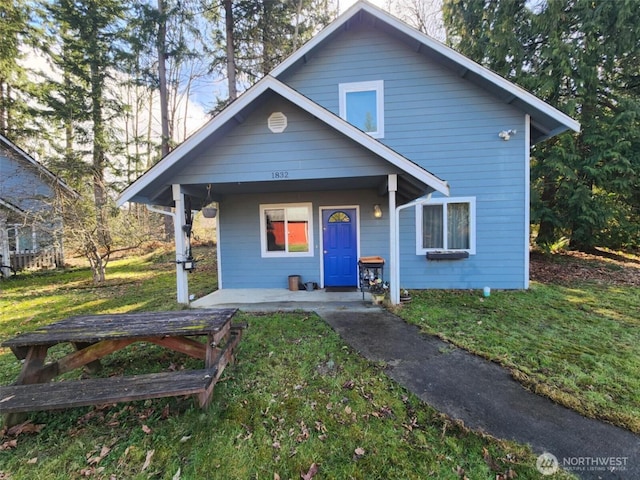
218	248
394	258
4	244
179	220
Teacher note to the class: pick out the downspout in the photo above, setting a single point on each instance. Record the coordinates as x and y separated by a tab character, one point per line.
395	247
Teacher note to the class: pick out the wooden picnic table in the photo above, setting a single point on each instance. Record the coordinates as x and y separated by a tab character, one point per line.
95	336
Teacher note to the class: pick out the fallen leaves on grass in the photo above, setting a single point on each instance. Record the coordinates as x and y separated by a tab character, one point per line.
358	453
508	474
313	470
147	460
461	472
17	430
95	459
349	384
9	444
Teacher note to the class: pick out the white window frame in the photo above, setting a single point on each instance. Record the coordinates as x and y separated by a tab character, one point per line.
420	250
375	85
263	228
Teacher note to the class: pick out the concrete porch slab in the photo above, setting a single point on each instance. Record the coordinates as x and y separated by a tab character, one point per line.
270	299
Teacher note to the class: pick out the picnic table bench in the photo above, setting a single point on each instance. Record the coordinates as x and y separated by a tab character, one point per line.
95	336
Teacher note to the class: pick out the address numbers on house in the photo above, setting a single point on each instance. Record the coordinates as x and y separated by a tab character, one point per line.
280	175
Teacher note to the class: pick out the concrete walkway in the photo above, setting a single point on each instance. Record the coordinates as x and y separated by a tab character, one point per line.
480	393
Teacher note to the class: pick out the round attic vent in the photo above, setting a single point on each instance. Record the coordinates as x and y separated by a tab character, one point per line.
277	122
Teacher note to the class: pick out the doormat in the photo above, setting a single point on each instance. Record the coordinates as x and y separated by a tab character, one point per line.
340	289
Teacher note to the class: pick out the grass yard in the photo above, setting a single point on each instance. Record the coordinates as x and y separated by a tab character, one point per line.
298	400
573	336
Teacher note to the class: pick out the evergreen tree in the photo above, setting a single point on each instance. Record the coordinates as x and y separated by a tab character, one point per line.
14	27
257	35
580	56
84	40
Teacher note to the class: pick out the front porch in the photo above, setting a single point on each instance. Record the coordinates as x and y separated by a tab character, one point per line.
282	299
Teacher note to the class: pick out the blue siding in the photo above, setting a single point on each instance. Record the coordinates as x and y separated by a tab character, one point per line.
242	264
307	149
21	185
450	127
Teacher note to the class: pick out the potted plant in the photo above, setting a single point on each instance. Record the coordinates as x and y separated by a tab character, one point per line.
405	296
378	290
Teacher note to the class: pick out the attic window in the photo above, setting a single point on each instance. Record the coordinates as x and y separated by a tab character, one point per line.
277	122
362	105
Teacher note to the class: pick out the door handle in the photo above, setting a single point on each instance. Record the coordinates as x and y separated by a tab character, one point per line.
324	251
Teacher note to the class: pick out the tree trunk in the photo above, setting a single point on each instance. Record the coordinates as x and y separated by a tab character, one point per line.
162	78
231	52
99	189
547	230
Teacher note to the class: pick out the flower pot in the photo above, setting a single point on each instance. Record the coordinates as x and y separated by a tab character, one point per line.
209	212
377	298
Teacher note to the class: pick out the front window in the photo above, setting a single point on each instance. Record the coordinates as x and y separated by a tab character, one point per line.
286	230
21	238
446	225
362	105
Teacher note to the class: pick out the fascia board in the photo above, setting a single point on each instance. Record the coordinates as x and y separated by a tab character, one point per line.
11	207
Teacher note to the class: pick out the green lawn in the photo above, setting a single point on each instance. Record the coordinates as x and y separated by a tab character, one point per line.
578	344
298	396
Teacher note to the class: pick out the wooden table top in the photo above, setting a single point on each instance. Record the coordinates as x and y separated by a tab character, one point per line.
95	328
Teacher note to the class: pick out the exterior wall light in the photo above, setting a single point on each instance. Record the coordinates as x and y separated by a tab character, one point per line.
377	211
507	134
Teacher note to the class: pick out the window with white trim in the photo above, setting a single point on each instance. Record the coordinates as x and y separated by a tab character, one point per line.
362	105
446	225
286	230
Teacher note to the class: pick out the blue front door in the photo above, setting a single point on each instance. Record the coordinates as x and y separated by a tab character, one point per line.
340	242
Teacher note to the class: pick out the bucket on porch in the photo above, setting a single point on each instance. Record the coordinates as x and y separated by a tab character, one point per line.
310	286
294	282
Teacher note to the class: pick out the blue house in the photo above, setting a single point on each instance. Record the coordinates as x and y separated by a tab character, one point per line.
30	227
373	139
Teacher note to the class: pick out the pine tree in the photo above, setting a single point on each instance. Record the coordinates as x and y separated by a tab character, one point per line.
580	56
84	39
14	93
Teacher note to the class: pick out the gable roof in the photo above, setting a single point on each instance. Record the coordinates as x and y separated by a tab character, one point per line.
146	187
546	121
41	169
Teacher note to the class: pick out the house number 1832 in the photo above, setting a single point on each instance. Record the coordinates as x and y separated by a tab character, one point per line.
279	175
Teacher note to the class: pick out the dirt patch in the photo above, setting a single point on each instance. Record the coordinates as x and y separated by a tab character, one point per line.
599	267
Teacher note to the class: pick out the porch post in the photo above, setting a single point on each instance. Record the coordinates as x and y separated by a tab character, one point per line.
394	277
179	220
4	243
